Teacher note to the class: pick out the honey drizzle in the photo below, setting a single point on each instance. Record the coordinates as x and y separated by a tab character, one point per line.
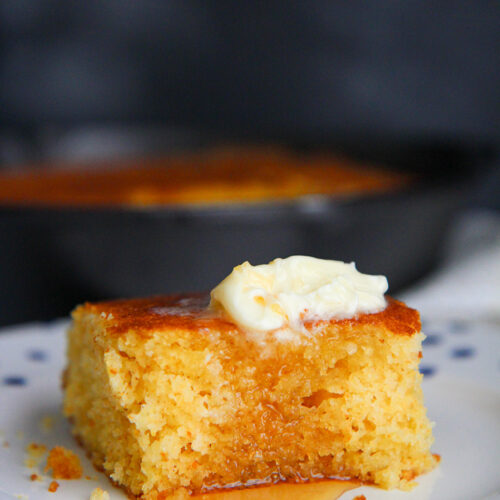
325	489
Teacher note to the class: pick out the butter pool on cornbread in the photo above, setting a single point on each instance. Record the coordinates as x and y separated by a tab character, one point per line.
167	393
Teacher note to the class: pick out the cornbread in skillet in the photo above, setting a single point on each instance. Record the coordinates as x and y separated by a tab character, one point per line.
220	176
164	393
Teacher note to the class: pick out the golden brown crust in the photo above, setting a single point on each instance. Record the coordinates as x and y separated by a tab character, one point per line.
397	318
189	312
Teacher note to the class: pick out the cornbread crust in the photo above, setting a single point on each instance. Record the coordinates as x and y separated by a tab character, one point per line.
165	395
189	311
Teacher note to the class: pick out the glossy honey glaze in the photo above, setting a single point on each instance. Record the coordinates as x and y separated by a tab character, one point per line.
212	177
190	312
318	490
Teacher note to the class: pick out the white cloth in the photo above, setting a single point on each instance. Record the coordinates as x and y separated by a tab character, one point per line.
467	286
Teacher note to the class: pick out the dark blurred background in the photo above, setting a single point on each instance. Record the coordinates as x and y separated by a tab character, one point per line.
411	84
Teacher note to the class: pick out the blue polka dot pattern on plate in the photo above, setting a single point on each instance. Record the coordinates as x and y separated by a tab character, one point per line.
432	339
463	352
37	355
14	380
427	371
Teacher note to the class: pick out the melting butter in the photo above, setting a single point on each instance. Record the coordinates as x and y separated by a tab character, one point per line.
287	292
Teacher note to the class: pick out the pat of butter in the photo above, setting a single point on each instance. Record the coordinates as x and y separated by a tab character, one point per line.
287	292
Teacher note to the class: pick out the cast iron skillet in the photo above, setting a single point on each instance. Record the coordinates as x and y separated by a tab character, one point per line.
53	258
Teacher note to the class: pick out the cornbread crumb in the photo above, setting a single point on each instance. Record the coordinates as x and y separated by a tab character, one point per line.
35	477
53	486
99	494
36	450
35	454
359	497
64	464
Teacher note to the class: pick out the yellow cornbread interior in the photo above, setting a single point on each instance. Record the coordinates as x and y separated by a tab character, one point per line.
201	408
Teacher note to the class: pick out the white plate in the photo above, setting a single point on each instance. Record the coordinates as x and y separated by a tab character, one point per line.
462	392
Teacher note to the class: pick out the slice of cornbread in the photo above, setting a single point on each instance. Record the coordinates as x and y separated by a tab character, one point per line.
165	394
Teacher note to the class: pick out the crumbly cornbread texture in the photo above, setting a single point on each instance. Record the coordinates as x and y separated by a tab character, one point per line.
165	395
